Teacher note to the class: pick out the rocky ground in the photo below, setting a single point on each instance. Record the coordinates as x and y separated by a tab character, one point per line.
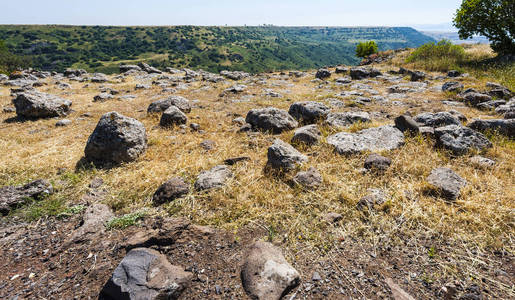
372	182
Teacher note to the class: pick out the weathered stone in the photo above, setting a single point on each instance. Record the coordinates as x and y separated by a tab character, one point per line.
406	123
161	105
146	274
170	190
323	74
333	217
102	97
41	105
453	73
207	144
172	116
417	76
99	78
271	119
452	86
309	112
372	139
460	140
374	198
474	98
437	119
310	179
116	139
63	122
149	69
234	75
126	68
491	105
282	155
482	162
13	196
343	119
502	126
213	178
447	182
93	223
361	73
341	70
309	135
265	274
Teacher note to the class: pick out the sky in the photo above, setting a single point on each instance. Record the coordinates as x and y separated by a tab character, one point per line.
230	12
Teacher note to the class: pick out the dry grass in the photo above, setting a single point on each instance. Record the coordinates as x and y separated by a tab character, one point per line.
481	219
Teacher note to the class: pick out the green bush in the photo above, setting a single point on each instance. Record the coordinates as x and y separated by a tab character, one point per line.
365	49
441	56
10	62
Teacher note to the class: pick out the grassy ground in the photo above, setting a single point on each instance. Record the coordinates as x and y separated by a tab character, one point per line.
481	220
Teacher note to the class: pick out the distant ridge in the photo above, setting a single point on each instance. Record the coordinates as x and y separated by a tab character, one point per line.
251	49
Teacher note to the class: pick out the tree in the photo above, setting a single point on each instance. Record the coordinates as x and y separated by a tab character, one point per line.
10	62
494	19
365	49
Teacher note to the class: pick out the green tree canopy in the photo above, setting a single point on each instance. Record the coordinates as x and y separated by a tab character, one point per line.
365	49
494	19
10	62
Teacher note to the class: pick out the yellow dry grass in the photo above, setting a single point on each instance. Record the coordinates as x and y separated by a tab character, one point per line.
482	218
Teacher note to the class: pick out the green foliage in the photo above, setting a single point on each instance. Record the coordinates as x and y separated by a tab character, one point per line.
365	49
48	207
441	56
10	62
494	19
251	49
125	221
73	210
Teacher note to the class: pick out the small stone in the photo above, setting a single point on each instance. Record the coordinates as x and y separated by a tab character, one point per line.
406	123
208	145
234	160
310	179
447	182
316	277
213	178
309	135
282	155
482	162
333	217
170	190
172	116
63	122
378	163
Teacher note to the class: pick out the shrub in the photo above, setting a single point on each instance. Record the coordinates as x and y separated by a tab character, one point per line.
365	49
441	56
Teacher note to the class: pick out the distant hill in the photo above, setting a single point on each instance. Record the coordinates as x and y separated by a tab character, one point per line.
454	37
252	49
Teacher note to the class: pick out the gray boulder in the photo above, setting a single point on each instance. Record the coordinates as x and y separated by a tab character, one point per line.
460	140
343	119
170	190
116	139
310	179
271	119
373	199
234	75
474	98
265	274
102	97
99	78
93	223
447	183
372	139
482	162
149	69
502	126
362	73
36	105
376	162
417	76
14	196
452	86
282	155
163	104
63	123
491	105
145	274
172	116
126	68
3	77
213	178
309	135
406	123
308	112
437	119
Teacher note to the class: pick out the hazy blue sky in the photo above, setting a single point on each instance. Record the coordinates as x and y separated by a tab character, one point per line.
231	12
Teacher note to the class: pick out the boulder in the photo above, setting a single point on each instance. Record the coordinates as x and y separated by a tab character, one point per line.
161	105
145	274
474	98
309	135
36	105
282	155
460	140
491	105
102	97
482	162
310	179
234	75
116	139
343	80
213	178
63	123
417	76
377	163
99	78
74	72
170	190
437	119
452	86
406	123
149	69
362	73
308	112
453	73
266	274
447	183
503	126
13	196
127	68
172	116
271	119
343	119
341	70
372	139
323	74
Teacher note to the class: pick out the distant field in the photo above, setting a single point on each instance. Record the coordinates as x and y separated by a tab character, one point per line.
252	49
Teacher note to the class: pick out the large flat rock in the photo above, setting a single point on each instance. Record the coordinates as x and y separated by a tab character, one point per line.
372	139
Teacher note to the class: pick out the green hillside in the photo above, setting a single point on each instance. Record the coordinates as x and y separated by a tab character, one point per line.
252	49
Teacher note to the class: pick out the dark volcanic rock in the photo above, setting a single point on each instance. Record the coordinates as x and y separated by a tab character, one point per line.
447	182
13	196
266	274
41	105
437	119
172	116
116	139
342	119
452	86
406	123
323	74
460	140
309	135
145	274
308	112
161	105
502	126
271	119
362	73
